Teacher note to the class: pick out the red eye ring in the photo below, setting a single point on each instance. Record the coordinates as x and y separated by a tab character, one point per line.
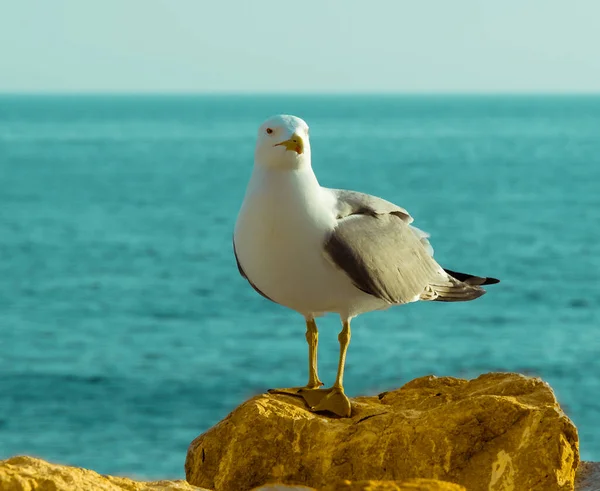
269	131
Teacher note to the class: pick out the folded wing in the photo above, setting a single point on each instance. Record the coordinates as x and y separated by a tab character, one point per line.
375	245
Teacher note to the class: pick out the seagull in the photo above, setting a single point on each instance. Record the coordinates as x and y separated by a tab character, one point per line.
317	250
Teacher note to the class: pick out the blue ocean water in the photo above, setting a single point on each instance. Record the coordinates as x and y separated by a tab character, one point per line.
126	331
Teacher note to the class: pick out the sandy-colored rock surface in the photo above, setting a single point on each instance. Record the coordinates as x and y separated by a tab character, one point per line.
282	487
31	474
499	432
409	485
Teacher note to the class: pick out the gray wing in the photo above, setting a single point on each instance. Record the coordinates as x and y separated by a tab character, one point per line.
375	245
355	203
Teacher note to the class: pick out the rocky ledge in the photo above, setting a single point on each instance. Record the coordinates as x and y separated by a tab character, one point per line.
499	432
30	474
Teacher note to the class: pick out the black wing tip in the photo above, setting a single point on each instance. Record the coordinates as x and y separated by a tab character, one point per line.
472	279
491	281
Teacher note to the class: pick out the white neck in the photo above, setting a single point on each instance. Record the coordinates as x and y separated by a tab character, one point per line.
284	184
287	197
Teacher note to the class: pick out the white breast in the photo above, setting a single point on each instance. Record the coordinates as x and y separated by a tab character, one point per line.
279	238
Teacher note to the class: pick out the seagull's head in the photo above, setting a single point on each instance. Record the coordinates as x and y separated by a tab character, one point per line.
283	143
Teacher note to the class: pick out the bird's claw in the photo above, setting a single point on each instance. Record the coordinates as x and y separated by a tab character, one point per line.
333	399
314	385
335	402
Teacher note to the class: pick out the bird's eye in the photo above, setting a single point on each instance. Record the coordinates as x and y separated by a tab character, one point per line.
269	131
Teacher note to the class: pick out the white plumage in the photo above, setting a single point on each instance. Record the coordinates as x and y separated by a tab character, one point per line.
318	250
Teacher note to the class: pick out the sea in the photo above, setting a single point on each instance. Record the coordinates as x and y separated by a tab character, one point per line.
126	330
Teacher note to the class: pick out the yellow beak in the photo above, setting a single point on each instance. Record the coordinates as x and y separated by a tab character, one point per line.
295	143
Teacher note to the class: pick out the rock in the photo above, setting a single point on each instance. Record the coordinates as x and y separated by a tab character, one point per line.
498	432
409	485
32	474
29	474
282	487
588	477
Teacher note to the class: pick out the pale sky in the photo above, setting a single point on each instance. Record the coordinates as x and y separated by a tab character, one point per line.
299	46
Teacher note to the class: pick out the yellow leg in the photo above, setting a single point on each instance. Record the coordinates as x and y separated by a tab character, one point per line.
344	340
312	338
333	399
336	401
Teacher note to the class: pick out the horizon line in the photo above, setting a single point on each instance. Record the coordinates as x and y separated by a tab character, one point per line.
142	93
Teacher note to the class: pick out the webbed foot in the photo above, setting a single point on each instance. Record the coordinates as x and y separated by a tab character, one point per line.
333	399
